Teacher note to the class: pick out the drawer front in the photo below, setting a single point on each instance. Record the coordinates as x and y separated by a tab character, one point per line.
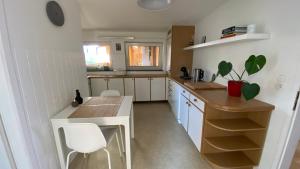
185	93
197	102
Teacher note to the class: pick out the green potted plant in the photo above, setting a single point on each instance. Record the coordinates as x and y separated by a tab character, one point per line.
238	86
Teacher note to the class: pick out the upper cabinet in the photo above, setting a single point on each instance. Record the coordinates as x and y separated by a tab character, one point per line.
179	37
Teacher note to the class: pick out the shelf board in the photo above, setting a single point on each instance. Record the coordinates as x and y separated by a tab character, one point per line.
244	37
235	125
232	143
228	160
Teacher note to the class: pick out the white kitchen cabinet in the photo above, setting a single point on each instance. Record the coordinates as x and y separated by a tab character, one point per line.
184	112
116	84
195	125
142	89
174	98
158	88
167	88
98	85
129	87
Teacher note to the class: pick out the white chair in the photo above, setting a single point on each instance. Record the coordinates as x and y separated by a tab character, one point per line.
110	93
115	93
87	138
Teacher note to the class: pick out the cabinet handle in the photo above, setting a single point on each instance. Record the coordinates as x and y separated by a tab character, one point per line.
195	100
184	91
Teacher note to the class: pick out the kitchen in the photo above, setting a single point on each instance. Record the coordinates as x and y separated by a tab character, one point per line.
162	62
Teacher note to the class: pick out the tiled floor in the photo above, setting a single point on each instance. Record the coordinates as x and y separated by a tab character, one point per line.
160	143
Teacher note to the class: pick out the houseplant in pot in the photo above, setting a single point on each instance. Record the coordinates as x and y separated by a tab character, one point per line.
238	86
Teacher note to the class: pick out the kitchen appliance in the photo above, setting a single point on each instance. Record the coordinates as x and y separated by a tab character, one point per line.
185	73
198	75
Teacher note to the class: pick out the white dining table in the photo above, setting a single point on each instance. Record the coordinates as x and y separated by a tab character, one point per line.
124	117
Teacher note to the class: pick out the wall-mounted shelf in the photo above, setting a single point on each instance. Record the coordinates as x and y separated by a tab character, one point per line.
245	37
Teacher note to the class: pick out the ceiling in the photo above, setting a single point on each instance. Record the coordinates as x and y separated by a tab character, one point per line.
127	15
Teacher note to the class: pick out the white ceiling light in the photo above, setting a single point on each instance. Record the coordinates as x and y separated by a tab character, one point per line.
154	4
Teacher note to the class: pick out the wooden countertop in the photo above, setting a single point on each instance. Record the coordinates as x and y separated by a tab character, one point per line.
220	100
126	76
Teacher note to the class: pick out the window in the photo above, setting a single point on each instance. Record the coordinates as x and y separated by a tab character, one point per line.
144	56
97	55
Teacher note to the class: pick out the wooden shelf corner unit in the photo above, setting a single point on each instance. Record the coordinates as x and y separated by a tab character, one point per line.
235	139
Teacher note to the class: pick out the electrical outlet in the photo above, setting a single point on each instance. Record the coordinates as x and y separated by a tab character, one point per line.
280	81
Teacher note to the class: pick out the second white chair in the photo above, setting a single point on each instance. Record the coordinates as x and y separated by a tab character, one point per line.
107	93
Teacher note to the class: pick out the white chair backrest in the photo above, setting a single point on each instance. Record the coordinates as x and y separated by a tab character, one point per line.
84	137
110	93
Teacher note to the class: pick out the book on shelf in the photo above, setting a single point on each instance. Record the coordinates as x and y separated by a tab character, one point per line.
231	35
236	31
232	29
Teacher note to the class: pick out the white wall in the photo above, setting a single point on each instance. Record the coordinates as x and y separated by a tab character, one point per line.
118	57
279	18
48	64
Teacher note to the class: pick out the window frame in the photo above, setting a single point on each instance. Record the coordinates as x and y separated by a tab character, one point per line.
141	68
100	43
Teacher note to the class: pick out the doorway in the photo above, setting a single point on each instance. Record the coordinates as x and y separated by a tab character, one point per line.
291	154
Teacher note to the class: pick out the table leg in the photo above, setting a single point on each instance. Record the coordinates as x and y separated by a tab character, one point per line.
59	147
127	144
132	122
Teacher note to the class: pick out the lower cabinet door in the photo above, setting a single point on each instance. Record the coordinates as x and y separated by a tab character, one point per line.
195	125
158	89
184	112
142	89
98	85
116	84
129	87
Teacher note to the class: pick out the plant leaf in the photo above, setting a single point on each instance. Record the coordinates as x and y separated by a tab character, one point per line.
250	90
255	63
224	68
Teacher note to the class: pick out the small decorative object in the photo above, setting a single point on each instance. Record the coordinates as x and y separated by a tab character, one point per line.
74	103
55	13
78	98
251	28
203	40
118	47
237	87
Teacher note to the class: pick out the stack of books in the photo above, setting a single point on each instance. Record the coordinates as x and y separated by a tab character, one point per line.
233	31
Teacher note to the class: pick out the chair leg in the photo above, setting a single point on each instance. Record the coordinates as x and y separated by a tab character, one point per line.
108	158
68	159
118	142
122	140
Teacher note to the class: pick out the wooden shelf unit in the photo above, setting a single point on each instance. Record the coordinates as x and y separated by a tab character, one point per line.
235	160
240	124
234	139
232	143
244	37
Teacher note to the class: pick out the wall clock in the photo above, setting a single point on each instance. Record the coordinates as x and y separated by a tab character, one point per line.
55	13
